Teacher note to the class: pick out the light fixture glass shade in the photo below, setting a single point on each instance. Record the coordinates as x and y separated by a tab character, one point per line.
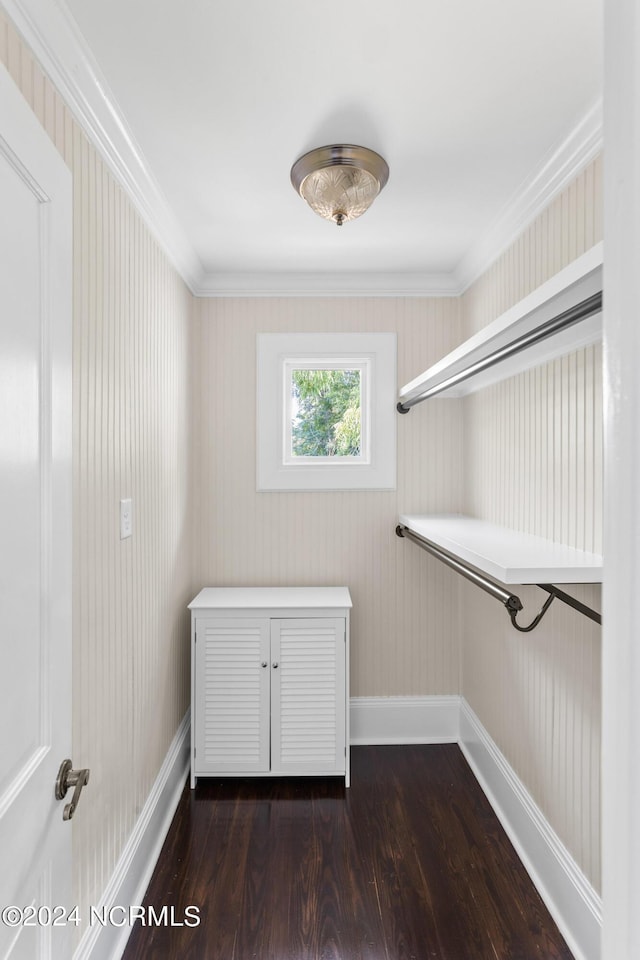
340	181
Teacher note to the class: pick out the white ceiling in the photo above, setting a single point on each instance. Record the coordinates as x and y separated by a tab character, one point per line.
466	100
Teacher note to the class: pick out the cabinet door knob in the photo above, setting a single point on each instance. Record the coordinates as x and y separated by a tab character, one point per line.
275	664
264	663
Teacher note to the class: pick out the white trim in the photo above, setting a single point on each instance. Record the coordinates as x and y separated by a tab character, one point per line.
273	352
49	29
64	55
404	719
621	597
568	895
355	284
137	862
560	166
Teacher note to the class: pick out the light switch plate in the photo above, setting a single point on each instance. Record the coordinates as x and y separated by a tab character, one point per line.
126	519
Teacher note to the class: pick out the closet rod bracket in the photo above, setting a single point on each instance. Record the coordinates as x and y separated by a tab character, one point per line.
513	605
536	620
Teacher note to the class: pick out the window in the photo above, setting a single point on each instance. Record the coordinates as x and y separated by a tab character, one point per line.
326	411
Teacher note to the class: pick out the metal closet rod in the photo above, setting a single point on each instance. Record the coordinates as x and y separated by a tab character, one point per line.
509	600
586	308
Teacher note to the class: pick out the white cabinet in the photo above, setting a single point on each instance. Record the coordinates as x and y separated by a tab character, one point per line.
270	682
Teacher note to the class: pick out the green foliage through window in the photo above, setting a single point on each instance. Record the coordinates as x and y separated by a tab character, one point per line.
325	413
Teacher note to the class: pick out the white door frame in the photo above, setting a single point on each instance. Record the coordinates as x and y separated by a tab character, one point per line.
621	596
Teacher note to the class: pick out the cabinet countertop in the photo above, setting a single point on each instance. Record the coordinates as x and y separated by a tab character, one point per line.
264	598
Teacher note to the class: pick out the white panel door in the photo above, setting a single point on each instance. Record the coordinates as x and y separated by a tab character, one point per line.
35	531
308	696
232	696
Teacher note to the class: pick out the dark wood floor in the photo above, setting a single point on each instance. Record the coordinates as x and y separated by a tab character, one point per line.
410	862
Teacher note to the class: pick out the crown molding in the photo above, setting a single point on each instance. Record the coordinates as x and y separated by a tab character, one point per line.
49	29
558	168
316	284
62	52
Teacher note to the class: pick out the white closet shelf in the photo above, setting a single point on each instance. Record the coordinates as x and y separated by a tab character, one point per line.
504	554
577	282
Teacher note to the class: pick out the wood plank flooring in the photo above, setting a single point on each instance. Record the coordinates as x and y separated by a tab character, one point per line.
410	863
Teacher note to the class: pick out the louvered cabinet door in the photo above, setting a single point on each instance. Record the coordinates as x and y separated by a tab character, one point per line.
232	696
308	696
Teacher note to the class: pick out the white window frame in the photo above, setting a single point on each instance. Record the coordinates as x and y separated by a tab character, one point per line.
372	353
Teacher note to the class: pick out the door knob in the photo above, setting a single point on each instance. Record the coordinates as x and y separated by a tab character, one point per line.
67	777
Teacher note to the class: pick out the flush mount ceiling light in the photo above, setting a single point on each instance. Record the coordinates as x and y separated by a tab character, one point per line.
340	181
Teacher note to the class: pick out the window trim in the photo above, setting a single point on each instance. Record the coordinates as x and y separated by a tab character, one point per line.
275	352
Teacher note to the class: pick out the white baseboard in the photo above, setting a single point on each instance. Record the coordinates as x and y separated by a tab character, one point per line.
133	871
404	720
568	895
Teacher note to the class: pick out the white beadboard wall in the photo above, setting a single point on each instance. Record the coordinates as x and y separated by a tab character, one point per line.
405	624
131	439
570	225
533	451
533	461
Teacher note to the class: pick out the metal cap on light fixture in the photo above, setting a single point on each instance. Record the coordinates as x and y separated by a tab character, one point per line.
340	181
